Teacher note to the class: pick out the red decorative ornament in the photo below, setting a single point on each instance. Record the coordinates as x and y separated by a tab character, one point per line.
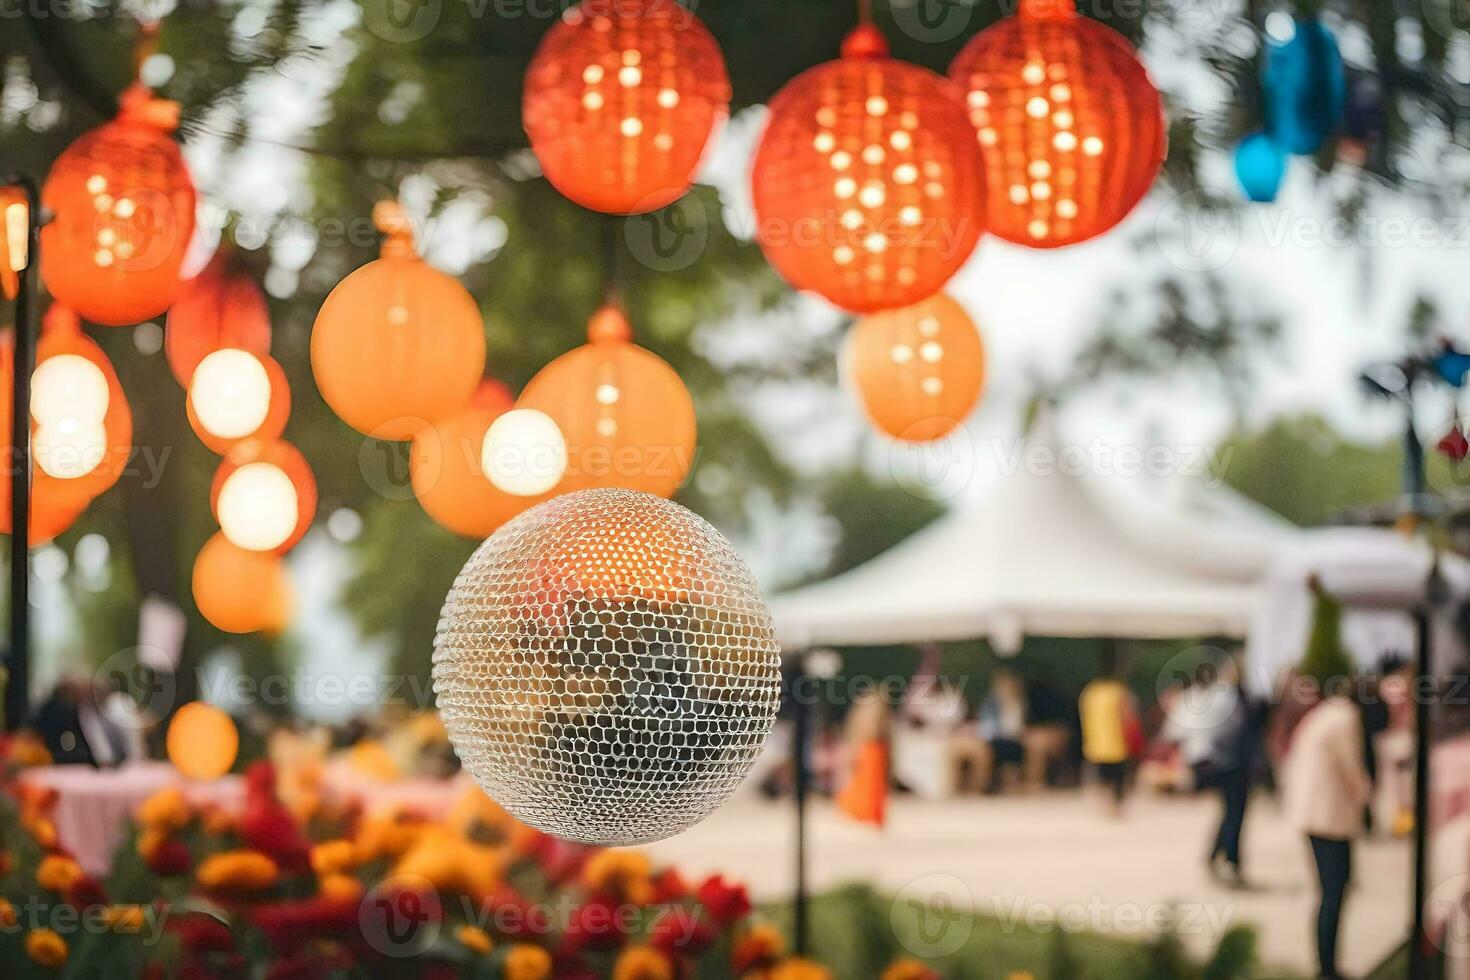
221	307
257	505
918	370
867	182
123	207
621	100
1070	125
626	415
1454	446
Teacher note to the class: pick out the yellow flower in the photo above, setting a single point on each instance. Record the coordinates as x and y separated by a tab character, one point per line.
57	873
1020	975
124	918
43	831
474	814
620	874
333	857
914	970
150	841
218	821
799	969
165	810
475	938
643	963
27	750
451	863
248	871
372	760
527	962
761	944
7	915
341	886
46	948
380	837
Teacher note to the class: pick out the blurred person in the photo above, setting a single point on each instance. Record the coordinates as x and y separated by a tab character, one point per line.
1222	732
867	731
76	725
1326	786
1396	745
1049	725
1108	717
1002	727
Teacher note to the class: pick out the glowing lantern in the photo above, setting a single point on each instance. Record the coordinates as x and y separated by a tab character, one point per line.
918	370
626	416
397	344
202	741
867	182
54	507
264	496
217	309
524	453
621	100
124	213
241	591
236	395
606	668
447	470
1071	127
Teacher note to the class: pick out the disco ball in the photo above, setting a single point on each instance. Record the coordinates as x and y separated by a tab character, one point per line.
606	667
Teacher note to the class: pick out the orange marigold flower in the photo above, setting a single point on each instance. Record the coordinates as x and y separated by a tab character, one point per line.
58	873
643	963
333	857
46	948
620	874
124	918
43	831
799	969
475	938
908	969
165	810
759	947
341	886
7	915
527	962
248	871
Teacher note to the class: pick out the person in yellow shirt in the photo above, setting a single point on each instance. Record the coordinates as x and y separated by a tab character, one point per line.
1107	711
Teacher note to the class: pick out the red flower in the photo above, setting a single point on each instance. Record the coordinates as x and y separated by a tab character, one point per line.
86	892
288	926
169	859
597	924
573	968
680	930
267	826
200	933
669	887
726	903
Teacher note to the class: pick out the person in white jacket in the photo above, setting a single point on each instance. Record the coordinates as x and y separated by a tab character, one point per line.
1326	788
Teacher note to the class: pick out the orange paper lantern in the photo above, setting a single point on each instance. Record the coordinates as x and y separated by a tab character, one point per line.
621	100
1070	125
272	508
202	741
918	370
123	207
397	344
867	182
216	309
446	473
277	413
53	508
626	416
241	591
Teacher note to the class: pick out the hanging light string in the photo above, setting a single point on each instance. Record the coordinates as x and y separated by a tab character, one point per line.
865	11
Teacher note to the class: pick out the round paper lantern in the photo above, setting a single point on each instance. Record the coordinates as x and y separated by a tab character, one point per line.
241	591
1304	81
867	182
626	416
918	370
1260	166
606	668
621	100
202	741
447	473
217	309
264	496
54	507
1071	127
524	453
397	345
123	207
236	395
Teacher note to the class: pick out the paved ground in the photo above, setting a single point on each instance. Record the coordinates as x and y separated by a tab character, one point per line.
1035	856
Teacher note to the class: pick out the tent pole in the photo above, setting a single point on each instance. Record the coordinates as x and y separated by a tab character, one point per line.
801	735
1423	704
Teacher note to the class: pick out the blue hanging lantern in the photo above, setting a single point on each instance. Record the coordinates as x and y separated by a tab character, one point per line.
1451	365
1259	166
1304	81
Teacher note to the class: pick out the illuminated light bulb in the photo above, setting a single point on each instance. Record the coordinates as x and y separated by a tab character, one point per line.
524	453
230	393
68	386
70	449
258	507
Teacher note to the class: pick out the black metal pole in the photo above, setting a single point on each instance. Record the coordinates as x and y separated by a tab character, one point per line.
18	659
801	734
1426	690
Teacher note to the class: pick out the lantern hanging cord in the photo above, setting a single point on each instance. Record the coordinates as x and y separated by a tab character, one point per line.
611	270
865	11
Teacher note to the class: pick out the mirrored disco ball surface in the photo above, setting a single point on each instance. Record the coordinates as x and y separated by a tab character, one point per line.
606	667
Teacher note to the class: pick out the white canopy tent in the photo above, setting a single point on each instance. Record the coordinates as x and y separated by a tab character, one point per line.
1052	551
